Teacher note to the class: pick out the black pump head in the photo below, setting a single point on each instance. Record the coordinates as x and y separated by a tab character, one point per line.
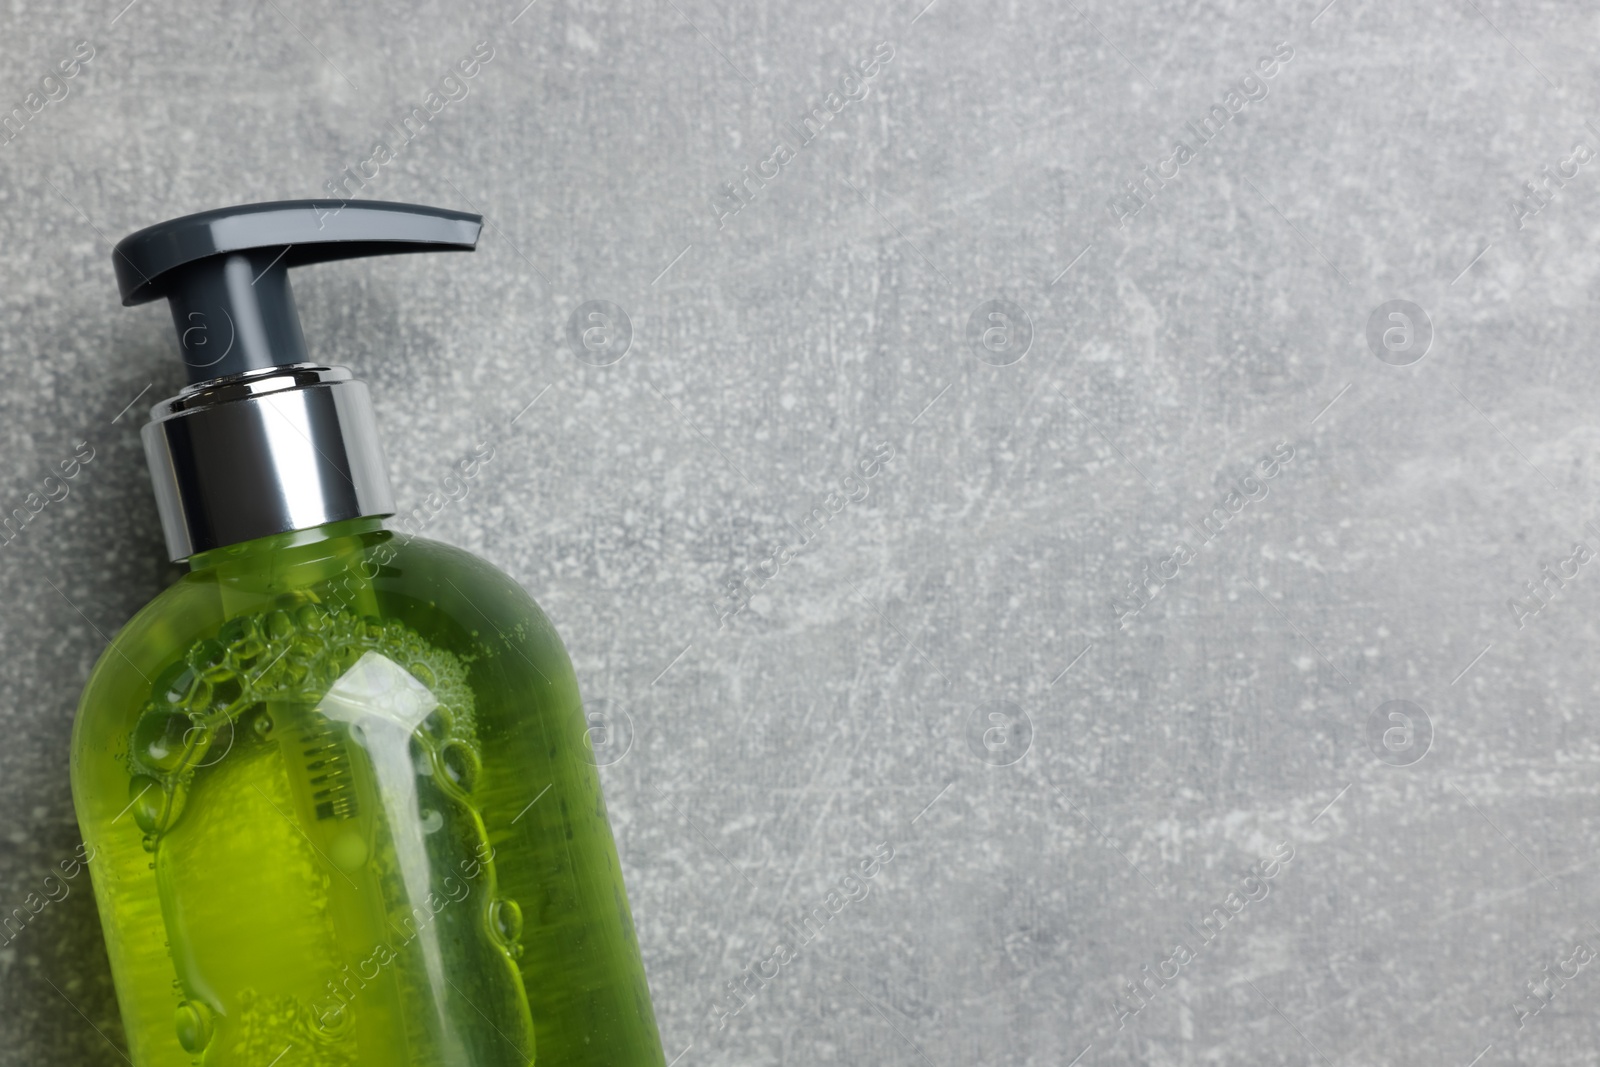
225	273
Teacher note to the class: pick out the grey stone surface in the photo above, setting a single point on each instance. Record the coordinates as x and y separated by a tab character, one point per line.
1168	750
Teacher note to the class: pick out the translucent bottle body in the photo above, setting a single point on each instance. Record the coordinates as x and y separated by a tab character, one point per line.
343	813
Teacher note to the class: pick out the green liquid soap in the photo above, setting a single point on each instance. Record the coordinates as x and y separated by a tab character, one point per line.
337	785
344	813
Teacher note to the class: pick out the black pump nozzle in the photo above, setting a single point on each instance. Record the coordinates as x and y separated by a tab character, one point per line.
225	273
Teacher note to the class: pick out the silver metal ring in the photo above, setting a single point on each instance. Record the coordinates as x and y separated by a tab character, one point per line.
264	452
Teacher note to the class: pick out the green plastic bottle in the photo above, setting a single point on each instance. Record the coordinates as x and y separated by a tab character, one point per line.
337	782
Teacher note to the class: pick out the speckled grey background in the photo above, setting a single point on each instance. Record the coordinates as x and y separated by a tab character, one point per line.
1164	751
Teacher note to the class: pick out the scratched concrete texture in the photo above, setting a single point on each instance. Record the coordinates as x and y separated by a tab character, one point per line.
1133	463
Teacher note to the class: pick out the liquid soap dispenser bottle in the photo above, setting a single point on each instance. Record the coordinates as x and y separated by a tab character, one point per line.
337	782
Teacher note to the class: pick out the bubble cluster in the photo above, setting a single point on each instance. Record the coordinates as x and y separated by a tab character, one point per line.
221	691
249	686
